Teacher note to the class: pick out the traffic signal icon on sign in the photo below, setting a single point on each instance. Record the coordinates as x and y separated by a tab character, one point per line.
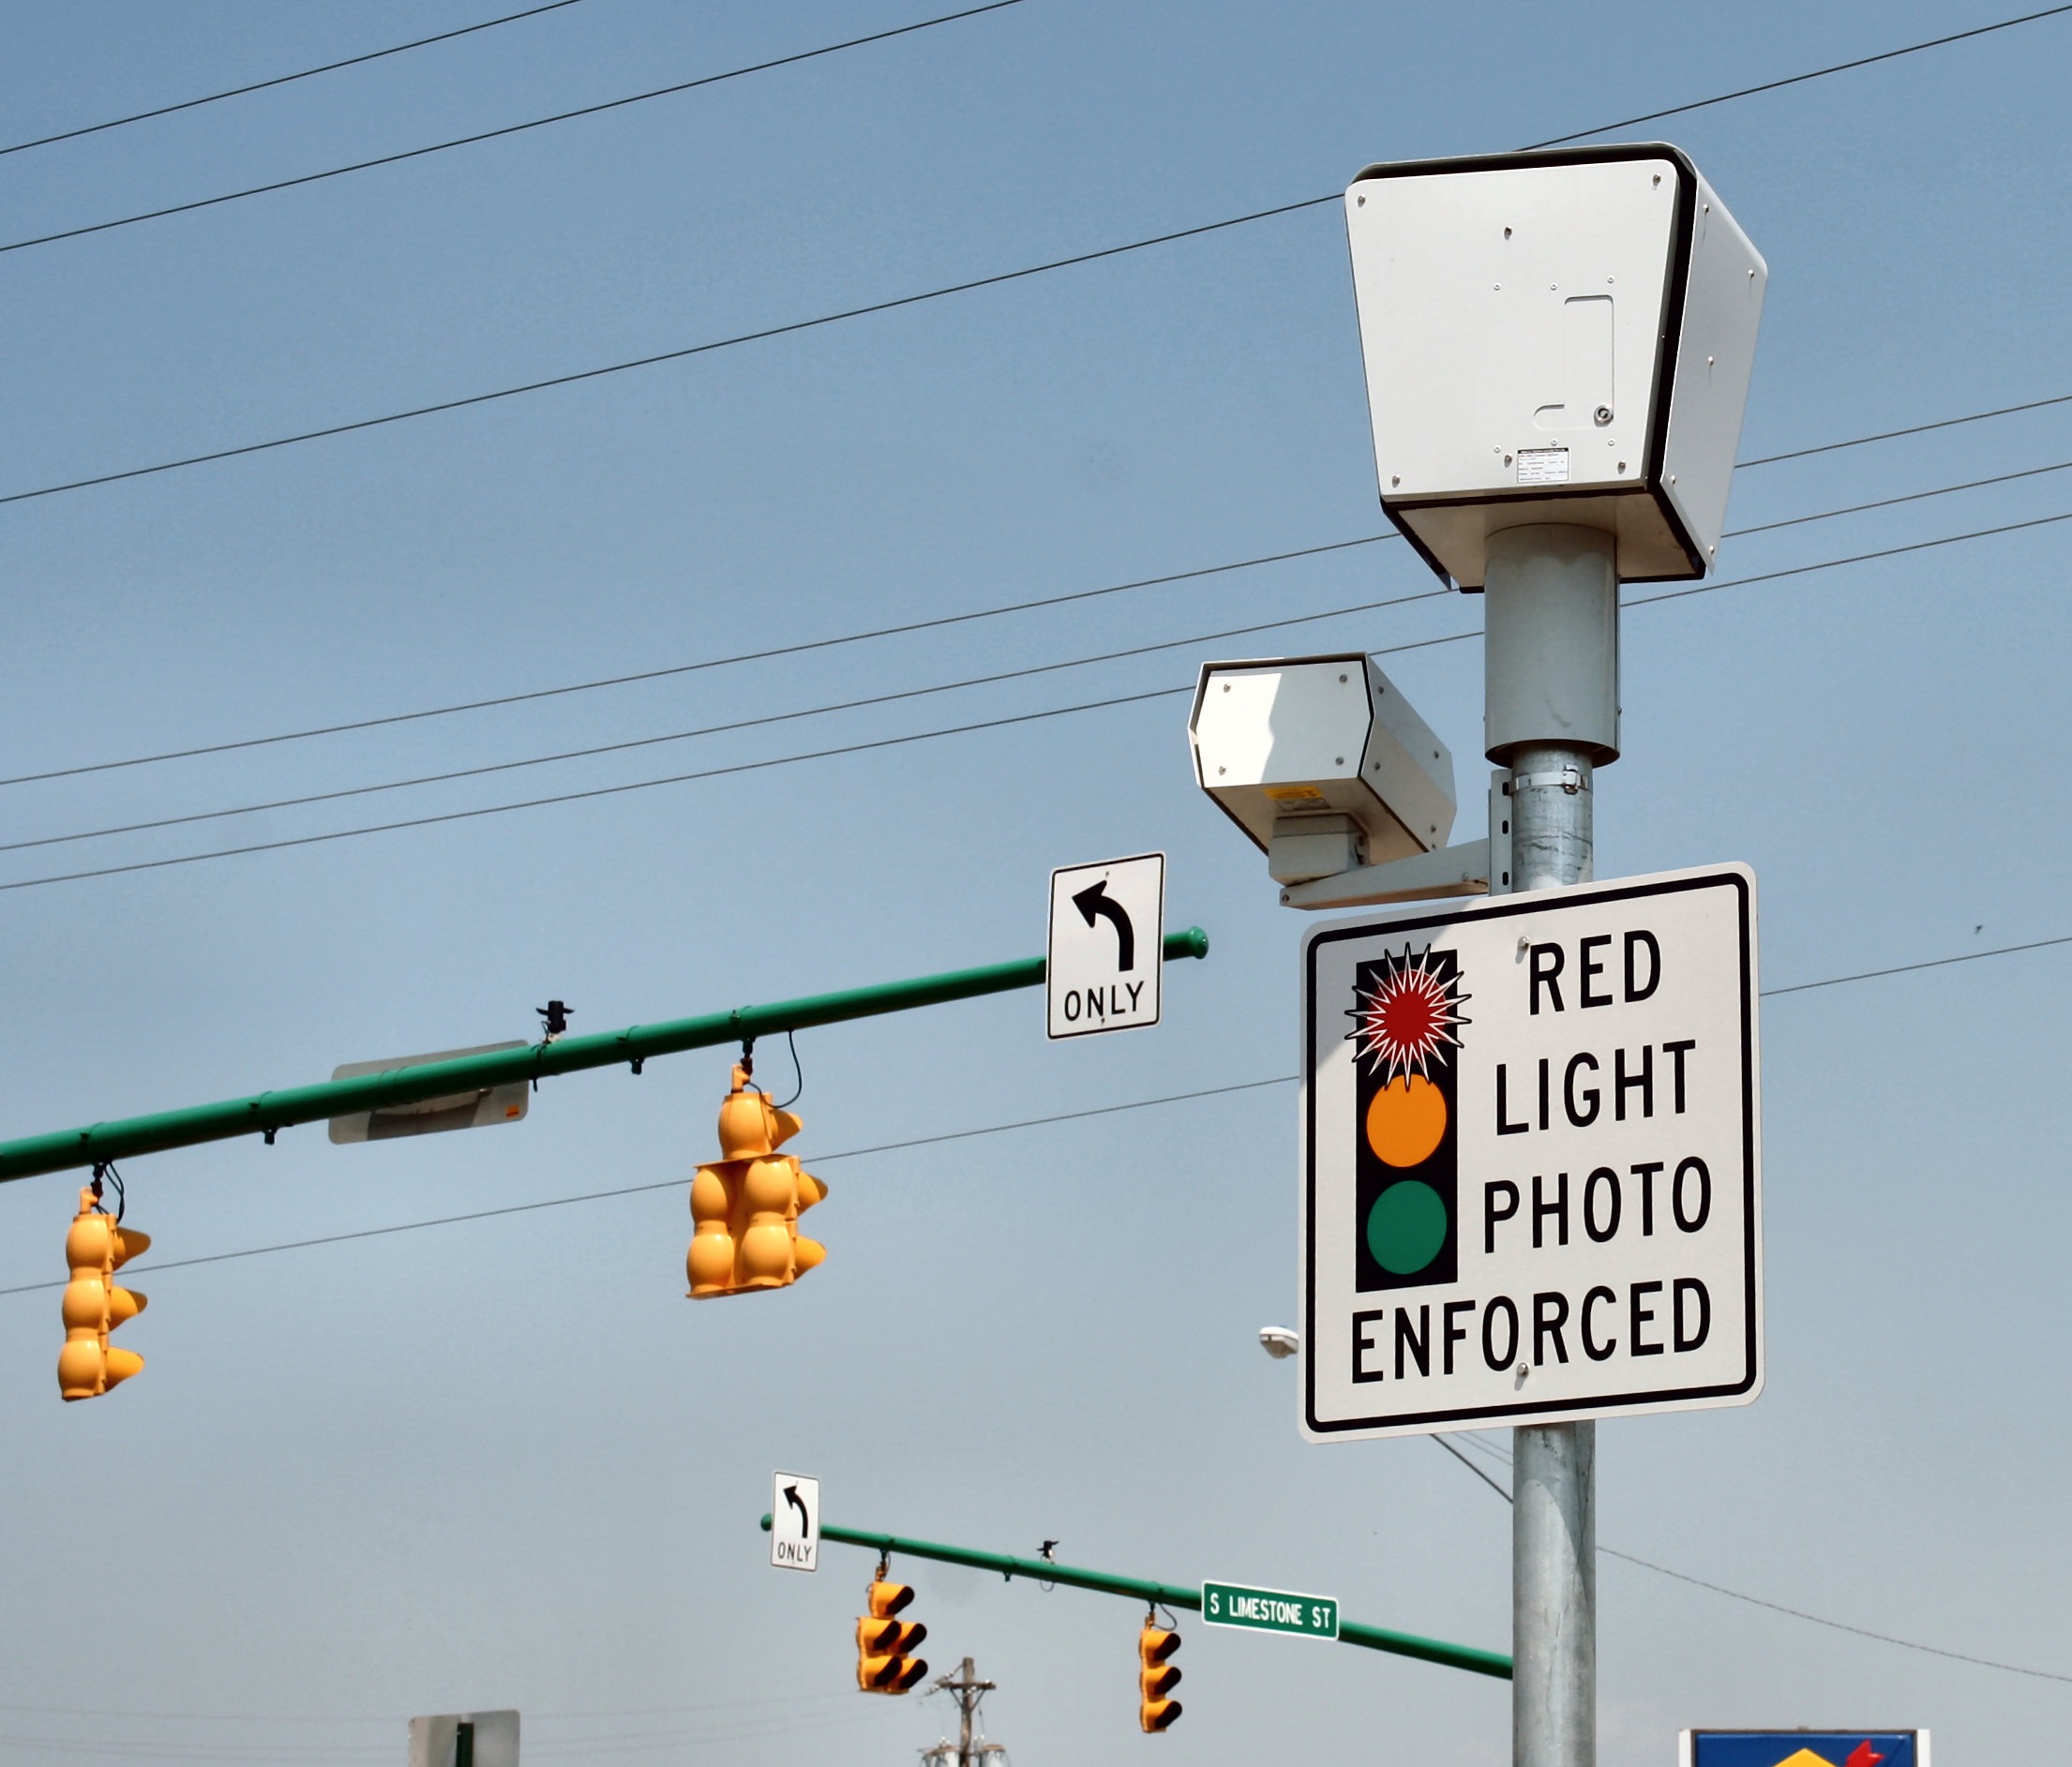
884	1642
96	1248
1158	1677
745	1205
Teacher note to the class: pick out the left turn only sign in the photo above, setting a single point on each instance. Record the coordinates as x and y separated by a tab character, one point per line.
1107	945
795	1522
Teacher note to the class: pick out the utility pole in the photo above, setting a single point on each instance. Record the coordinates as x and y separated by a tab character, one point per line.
1551	709
967	1690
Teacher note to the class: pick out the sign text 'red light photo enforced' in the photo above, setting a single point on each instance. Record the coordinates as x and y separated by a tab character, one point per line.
1531	1180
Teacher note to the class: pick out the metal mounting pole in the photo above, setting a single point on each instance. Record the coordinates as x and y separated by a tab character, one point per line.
1550	679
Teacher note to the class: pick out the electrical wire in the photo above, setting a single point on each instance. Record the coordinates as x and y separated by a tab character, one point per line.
765	333
1912	429
1775	1607
716	729
495	134
953	730
1890	502
989	613
281	80
876	699
898	302
1819	73
936	1139
605	791
798	649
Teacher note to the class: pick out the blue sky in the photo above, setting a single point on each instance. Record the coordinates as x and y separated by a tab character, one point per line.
506	1464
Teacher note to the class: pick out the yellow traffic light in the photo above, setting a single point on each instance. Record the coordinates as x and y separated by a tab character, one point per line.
884	1664
1156	1678
97	1247
745	1205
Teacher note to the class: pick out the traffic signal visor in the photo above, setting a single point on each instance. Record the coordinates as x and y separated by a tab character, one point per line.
1156	1678
96	1248
884	1663
745	1205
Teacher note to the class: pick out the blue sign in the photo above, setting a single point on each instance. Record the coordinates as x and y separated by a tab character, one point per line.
1805	1748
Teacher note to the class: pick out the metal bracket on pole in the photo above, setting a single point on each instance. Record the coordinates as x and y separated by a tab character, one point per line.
1472	868
1446	870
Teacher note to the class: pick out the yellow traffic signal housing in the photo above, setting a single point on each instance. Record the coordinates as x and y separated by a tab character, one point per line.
883	1643
97	1247
1156	1678
745	1205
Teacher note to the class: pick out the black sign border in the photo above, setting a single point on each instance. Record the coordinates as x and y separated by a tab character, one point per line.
1498	908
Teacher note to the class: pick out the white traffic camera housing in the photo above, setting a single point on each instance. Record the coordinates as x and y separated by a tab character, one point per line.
1559	337
1322	762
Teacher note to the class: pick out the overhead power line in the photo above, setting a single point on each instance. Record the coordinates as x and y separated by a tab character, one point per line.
797	648
961	729
684	354
602	791
757	722
911	1142
495	134
283	80
1818	73
1892	502
802	647
996	678
1912	429
764	333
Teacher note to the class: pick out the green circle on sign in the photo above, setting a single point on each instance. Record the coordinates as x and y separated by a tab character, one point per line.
1407	1227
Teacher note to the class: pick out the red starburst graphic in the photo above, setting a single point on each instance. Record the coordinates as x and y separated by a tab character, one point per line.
1406	1017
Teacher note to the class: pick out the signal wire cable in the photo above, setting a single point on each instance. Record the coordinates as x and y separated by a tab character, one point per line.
1009	608
511	129
904	694
896	303
961	729
948	1136
281	80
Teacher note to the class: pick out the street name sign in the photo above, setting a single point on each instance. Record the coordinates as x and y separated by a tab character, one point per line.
1530	1181
474	1109
795	1522
1269	1611
1107	945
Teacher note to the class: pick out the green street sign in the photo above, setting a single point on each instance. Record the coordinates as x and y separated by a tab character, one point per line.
1269	1611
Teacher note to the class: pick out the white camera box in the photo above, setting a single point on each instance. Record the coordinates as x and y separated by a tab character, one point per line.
1564	336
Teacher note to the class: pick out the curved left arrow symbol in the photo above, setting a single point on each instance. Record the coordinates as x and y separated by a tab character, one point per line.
1095	900
806	1521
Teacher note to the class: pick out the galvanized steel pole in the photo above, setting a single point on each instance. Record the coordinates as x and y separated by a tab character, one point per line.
1550	716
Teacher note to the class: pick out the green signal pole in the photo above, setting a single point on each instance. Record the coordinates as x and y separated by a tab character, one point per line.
264	1113
1373	1638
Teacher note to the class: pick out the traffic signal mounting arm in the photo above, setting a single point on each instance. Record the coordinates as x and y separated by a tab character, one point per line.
1373	1638
264	1113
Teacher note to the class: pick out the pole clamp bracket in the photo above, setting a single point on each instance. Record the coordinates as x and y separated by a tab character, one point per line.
1569	779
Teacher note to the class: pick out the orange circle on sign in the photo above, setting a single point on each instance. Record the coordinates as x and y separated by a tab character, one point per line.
1406	1121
